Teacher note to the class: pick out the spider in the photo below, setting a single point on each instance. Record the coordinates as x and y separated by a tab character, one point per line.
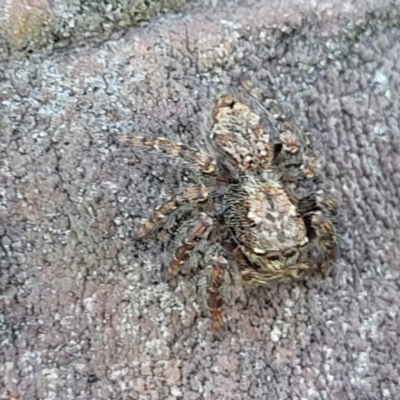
263	230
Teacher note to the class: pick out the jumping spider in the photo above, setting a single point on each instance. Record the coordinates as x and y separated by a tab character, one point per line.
263	229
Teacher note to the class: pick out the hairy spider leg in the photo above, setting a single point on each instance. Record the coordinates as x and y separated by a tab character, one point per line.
326	239
193	193
215	281
273	271
294	150
200	227
260	270
297	160
201	160
320	216
275	266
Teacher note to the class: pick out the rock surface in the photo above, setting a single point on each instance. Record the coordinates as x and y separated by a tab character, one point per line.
85	312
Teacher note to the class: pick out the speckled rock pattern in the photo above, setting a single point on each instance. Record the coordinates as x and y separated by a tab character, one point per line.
32	25
85	312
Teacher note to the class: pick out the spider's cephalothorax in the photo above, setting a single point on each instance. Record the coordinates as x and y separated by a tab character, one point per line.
269	232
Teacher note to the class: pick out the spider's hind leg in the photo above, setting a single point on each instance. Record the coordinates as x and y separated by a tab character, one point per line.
194	193
198	158
294	148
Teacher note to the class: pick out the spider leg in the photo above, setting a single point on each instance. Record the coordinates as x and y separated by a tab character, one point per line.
193	193
288	265
215	281
272	271
200	227
326	239
320	216
294	149
295	154
196	157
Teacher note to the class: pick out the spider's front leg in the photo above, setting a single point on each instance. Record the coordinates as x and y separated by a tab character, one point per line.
194	193
215	281
199	229
276	271
199	159
279	266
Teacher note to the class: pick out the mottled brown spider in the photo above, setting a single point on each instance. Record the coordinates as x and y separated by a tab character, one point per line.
261	228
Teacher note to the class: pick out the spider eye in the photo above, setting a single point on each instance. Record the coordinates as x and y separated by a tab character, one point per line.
272	257
290	253
252	223
277	148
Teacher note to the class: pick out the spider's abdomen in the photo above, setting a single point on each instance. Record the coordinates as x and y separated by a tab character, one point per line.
238	136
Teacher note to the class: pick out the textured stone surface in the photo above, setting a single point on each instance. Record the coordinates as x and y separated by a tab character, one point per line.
32	25
85	312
